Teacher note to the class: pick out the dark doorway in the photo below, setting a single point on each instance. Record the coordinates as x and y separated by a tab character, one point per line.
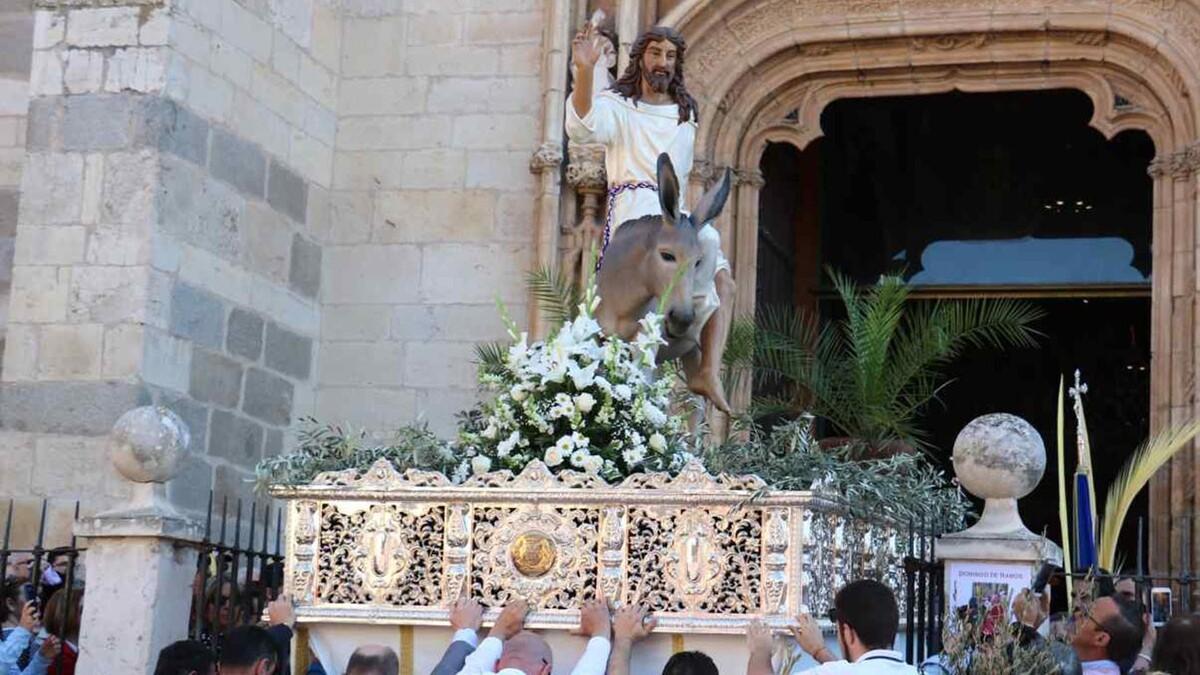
969	195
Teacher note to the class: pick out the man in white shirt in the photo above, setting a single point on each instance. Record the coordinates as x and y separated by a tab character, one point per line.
1107	633
647	112
509	649
866	618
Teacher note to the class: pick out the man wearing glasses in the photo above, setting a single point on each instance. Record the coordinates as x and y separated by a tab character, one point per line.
1107	633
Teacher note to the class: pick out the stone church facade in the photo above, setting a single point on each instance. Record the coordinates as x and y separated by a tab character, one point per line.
254	211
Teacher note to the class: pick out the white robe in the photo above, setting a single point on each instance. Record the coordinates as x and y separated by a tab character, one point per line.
633	137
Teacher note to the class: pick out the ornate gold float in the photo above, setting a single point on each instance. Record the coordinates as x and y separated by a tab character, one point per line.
707	554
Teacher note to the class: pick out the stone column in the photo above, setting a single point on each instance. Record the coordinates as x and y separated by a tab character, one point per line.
142	557
999	458
585	172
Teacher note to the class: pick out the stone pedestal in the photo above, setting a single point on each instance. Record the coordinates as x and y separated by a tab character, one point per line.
143	564
142	557
1000	458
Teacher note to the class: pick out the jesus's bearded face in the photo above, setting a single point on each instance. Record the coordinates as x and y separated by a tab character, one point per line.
658	65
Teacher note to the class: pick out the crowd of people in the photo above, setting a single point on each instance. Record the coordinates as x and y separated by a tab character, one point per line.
1109	633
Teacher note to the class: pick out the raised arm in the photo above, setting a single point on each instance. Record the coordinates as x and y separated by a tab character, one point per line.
630	625
584	54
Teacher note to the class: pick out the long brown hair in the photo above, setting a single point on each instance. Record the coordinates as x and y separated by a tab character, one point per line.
629	84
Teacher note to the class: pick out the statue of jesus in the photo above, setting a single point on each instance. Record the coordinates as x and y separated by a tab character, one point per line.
647	112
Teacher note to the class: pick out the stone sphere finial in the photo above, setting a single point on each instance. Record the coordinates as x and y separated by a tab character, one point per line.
150	444
999	456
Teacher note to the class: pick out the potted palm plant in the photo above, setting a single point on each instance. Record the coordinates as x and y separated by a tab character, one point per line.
869	375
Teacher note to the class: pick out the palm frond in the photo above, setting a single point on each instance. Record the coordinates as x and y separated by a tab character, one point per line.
491	357
557	296
1138	471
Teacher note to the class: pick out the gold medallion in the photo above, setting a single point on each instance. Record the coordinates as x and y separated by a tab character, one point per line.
533	554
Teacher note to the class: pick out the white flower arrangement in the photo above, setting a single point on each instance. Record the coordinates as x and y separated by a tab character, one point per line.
577	400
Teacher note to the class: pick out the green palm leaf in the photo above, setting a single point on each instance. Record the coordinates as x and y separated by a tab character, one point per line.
557	296
871	374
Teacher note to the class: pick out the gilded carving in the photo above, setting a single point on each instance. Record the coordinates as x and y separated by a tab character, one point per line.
775	546
705	553
547	557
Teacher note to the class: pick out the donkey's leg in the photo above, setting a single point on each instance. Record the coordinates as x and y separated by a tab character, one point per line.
706	380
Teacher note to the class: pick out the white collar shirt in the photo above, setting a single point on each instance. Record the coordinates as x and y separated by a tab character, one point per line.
874	662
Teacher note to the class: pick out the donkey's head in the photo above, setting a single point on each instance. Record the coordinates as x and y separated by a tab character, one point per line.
652	253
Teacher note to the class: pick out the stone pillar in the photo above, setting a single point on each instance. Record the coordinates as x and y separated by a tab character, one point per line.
585	173
999	458
142	557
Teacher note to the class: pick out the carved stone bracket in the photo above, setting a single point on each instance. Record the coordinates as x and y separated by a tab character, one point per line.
1180	165
548	157
752	177
585	169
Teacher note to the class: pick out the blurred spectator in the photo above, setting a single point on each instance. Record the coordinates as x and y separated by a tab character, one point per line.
19	566
186	657
62	620
1177	650
248	650
373	660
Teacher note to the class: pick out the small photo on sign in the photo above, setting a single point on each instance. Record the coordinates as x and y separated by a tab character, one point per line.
1160	605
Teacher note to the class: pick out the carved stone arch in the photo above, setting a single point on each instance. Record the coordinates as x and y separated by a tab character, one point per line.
752	62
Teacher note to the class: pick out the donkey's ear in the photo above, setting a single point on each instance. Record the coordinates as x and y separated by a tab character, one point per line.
668	189
713	201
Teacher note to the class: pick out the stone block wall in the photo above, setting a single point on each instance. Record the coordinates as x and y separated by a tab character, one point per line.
163	247
16	39
431	209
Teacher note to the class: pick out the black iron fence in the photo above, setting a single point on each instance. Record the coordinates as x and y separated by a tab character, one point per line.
924	593
44	569
239	569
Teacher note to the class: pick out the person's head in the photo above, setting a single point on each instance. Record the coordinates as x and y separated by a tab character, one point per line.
186	657
10	600
222	604
20	566
248	650
373	660
62	615
867	618
1177	647
656	67
1127	588
527	652
690	663
1110	628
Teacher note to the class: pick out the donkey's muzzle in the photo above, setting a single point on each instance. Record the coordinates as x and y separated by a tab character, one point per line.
679	321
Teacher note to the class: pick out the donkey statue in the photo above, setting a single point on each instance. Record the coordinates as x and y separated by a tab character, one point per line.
644	257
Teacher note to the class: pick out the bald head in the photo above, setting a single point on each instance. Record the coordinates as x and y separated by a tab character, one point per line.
527	652
373	660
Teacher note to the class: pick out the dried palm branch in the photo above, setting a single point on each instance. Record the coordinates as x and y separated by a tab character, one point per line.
1148	459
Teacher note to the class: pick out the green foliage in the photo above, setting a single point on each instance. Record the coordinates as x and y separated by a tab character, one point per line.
872	373
557	296
971	647
903	488
324	447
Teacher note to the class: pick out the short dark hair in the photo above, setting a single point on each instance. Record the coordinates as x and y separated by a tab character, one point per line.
690	663
1125	629
373	663
245	646
870	609
185	656
1177	647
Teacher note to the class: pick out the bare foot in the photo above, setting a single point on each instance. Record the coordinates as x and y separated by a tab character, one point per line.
709	386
